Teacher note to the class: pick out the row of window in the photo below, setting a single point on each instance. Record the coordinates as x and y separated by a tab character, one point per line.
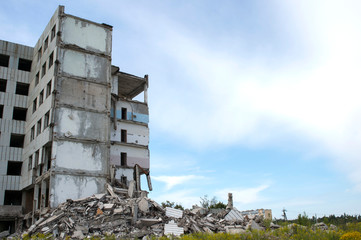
45	45
42	96
23	64
43	69
18	113
21	88
45	124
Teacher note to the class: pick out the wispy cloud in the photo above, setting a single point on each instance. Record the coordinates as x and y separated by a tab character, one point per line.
243	195
172	181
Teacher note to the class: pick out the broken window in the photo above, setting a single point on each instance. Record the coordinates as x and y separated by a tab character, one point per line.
3	83
53	32
22	89
124	113
14	168
34	104
124	180
46	119
17	140
48	89
4	60
37	79
32	133
46	43
123	159
24	64
39	54
19	113
12	197
30	163
51	59
123	133
43	70
38	128
1	111
41	97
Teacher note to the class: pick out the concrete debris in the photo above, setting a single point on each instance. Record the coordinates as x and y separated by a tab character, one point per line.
4	234
138	217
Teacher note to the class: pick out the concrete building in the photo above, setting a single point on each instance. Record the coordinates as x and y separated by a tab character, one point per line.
83	127
15	65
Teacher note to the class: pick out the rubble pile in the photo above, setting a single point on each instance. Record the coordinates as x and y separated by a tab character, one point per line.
116	213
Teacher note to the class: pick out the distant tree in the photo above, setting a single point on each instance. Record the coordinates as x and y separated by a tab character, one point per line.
206	203
303	220
220	205
172	205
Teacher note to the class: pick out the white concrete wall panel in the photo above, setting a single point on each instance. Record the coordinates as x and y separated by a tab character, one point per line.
80	156
81	124
137	134
126	172
86	35
65	187
135	155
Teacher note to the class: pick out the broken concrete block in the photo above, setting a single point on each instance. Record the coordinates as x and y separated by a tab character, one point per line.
143	205
118	210
131	189
108	206
234	215
4	234
172	212
78	235
173	229
99	196
148	222
234	229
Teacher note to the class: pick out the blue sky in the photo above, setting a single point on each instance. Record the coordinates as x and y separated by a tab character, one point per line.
258	98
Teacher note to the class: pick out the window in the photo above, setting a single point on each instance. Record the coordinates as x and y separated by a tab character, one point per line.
14	168
51	59
123	159
124	180
22	89
124	113
46	119
37	79
17	140
24	64
30	162
46	43
34	105
1	111
43	70
19	114
12	197
32	133
38	128
39	54
36	160
3	85
53	32
4	60
123	135
41	97
48	89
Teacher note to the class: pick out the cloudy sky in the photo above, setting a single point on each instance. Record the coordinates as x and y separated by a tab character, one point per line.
258	98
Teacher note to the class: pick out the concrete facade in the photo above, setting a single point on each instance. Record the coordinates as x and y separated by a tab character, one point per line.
83	127
15	65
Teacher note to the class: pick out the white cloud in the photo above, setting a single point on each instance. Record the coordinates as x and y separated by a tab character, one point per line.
243	195
185	197
172	181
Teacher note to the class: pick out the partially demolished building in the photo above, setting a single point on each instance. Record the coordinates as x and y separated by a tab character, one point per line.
80	125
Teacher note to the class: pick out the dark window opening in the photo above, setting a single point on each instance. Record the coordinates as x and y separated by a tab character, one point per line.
12	197
37	79
19	114
39	198
24	64
4	60
34	104
1	111
43	70
123	159
30	163
46	119
3	85
41	97
14	168
124	113
39	54
7	226
17	140
123	179
47	192
46	43
47	157
51	59
32	134
123	135
53	32
48	89
22	89
38	128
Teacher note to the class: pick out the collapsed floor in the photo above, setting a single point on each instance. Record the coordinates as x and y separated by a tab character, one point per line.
116	213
